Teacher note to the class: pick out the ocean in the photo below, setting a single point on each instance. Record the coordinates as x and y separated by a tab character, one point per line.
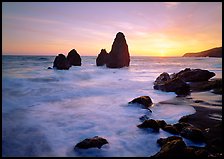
46	112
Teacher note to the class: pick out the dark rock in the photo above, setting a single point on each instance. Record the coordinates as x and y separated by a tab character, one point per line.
143	100
183	119
171	129
163	141
161	123
164	77
202	153
180	126
174	148
213	84
74	58
119	54
194	75
192	133
92	142
143	118
174	85
102	58
49	68
149	124
61	63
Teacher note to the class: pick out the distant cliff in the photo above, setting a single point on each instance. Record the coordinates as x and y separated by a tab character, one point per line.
215	52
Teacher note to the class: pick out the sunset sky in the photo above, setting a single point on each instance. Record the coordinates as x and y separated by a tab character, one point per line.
150	28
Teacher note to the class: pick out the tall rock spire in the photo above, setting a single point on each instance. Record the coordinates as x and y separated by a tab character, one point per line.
119	54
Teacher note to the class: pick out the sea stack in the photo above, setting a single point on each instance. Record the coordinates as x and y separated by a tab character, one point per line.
119	54
61	62
74	58
102	58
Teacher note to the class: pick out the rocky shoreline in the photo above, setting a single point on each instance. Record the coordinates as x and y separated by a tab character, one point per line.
201	119
205	125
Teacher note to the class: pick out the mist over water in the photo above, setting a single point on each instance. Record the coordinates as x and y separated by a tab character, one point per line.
46	112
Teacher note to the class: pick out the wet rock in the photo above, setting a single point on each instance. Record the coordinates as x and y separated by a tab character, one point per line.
143	118
49	68
150	124
174	148
102	58
143	100
183	119
192	133
171	129
161	123
194	75
92	142
174	85
164	77
213	84
61	62
163	141
74	58
179	126
119	54
201	152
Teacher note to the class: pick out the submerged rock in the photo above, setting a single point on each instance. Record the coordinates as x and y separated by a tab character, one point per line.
74	58
92	142
61	62
119	54
102	58
143	100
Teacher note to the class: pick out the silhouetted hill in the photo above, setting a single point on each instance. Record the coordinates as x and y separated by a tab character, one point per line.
215	52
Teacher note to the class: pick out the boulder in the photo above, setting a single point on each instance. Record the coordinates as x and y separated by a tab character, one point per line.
150	124
161	123
194	75
176	85
164	77
213	84
145	101
171	129
102	58
192	133
61	62
179	126
74	58
92	142
174	148
163	141
119	54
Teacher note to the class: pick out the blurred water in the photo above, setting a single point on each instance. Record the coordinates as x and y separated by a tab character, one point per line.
45	112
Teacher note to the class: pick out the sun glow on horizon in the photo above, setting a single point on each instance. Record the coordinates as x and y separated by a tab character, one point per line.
150	29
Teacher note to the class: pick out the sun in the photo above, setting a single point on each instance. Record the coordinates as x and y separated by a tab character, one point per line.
162	52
